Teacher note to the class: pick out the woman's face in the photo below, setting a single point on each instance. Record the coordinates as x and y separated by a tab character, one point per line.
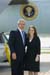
31	31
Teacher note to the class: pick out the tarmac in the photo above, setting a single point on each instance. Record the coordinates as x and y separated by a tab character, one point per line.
5	68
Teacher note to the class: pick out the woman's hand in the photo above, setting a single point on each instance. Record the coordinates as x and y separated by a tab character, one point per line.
37	58
14	56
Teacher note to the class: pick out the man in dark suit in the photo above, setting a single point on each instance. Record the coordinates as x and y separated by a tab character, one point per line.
17	48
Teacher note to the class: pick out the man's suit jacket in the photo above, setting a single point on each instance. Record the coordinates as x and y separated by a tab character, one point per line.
16	44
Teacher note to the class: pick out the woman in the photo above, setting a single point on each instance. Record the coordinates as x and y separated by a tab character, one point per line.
32	60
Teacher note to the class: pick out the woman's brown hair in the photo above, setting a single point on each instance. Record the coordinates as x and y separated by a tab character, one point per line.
35	31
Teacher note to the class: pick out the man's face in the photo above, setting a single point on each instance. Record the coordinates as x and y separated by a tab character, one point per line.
21	25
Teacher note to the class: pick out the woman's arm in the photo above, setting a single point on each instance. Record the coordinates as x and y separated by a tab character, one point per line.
38	47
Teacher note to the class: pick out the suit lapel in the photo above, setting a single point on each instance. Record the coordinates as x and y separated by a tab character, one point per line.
19	35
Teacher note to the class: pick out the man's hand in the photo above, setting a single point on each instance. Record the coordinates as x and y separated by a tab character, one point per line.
14	56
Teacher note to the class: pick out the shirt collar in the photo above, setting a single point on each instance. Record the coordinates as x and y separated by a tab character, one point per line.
19	29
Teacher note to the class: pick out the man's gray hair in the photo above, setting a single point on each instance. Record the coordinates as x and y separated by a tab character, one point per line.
20	20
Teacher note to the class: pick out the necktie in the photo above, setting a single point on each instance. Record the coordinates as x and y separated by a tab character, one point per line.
23	37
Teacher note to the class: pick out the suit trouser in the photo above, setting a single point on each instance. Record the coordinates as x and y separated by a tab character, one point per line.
17	67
